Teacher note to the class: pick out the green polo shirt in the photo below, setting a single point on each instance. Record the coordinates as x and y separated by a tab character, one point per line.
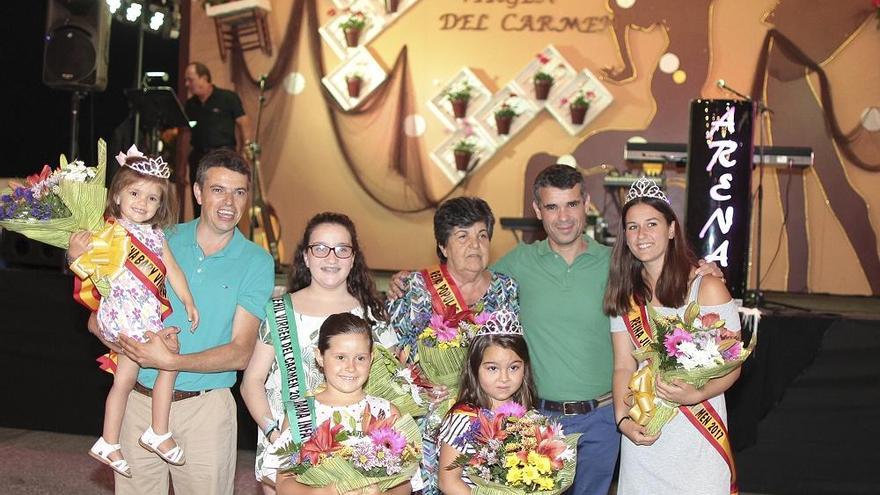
240	274
561	311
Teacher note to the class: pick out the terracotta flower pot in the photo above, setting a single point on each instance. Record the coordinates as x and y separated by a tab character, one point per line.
502	124
354	86
578	112
462	159
459	108
542	89
352	36
391	6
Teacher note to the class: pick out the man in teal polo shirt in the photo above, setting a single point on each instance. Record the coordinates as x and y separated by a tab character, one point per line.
230	279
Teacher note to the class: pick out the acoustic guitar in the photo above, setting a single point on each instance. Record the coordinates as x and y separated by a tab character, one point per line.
265	228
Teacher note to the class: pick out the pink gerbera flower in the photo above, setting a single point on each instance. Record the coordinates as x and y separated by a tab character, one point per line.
389	438
444	333
672	340
511	408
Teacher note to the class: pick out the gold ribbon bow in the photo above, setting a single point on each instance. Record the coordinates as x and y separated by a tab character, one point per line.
106	259
642	395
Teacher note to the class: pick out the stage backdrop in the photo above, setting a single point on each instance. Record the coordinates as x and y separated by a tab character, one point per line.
813	62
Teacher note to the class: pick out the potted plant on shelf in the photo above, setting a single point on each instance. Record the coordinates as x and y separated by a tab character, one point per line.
463	152
352	28
504	116
542	81
354	81
579	106
391	6
459	97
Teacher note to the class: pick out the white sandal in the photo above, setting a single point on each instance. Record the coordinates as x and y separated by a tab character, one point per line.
151	441
101	452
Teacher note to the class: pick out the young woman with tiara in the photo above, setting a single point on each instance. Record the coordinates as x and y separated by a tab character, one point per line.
652	265
140	203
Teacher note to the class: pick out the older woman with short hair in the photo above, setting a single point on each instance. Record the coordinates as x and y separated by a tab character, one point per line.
462	229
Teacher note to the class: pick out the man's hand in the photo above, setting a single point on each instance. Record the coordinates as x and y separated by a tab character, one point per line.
158	352
397	285
709	268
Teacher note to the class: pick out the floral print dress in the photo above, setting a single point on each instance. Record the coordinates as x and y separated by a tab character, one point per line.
130	308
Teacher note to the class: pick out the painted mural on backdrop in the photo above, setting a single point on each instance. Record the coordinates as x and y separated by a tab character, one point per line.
798	117
680	75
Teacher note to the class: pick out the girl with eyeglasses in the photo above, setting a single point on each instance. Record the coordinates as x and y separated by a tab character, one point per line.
329	275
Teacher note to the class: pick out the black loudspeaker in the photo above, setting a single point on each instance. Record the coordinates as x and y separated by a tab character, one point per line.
18	250
77	45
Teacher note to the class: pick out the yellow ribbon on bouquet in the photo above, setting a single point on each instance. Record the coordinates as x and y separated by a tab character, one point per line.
106	259
642	394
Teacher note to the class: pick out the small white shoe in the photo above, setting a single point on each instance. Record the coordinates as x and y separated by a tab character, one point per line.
151	441
101	452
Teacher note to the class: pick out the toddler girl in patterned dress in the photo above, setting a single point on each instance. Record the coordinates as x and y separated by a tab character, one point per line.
141	200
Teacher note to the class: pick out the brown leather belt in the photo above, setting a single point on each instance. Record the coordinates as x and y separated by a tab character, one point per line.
571	407
176	396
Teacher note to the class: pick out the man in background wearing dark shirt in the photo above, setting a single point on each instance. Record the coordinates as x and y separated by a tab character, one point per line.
216	113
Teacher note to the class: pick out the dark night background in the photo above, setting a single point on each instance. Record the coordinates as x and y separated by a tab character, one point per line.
36	119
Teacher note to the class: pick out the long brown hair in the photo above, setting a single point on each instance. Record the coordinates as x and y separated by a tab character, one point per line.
359	283
471	392
165	216
625	279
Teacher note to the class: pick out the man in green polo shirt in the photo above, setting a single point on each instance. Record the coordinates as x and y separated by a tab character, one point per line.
561	286
230	279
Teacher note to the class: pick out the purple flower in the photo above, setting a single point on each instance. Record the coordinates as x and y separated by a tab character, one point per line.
672	340
732	352
483	317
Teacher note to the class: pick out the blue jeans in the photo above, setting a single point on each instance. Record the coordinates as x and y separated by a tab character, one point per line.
597	452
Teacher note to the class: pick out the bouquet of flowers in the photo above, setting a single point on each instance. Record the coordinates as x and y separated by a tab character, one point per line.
55	203
517	452
442	348
402	385
694	349
383	451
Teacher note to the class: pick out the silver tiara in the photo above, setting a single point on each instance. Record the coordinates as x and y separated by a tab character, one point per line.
157	167
645	188
502	322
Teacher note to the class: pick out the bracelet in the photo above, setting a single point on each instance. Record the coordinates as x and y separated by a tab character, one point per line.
621	421
270	427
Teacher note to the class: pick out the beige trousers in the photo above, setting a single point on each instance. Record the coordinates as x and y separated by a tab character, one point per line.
205	427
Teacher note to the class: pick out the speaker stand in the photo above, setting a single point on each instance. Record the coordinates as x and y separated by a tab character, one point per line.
75	98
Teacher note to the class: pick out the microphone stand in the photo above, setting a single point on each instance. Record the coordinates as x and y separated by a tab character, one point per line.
757	295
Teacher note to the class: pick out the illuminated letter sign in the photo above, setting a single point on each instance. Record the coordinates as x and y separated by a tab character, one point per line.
719	184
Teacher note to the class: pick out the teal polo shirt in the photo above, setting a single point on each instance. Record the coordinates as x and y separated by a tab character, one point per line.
560	307
240	274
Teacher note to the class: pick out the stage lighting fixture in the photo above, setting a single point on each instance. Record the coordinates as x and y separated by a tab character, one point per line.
114	5
157	20
133	12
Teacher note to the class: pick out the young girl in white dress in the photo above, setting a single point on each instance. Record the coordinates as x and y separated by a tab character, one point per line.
654	267
497	372
141	200
345	349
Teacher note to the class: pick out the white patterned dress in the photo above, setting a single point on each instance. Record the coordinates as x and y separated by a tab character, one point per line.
681	461
130	308
307	328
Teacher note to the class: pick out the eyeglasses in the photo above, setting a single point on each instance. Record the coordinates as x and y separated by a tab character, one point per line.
341	251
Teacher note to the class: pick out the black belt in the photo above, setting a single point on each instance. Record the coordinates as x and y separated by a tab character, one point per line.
176	396
571	407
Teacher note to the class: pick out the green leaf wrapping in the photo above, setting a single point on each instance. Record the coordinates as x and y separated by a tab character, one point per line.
384	383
